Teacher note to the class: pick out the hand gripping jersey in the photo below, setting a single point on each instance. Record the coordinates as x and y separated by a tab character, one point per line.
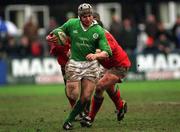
60	52
119	57
84	41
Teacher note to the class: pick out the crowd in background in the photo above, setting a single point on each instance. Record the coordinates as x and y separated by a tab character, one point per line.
148	37
18	46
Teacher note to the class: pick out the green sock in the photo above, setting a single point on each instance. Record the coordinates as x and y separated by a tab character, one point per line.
78	108
87	107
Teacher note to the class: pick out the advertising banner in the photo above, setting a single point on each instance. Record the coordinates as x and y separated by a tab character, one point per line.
47	70
34	70
159	66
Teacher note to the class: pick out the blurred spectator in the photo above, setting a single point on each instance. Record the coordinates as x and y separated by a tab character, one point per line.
150	45
31	29
3	32
3	27
115	27
163	39
2	50
128	35
52	25
176	32
24	47
151	30
163	44
3	38
161	30
12	47
151	26
141	39
11	28
36	49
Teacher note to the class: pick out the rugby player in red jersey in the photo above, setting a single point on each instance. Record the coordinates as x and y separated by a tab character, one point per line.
116	67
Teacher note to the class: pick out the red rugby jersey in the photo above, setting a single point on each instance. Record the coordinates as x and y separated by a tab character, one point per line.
119	56
60	52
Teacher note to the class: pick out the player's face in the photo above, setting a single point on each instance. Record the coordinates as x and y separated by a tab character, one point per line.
87	20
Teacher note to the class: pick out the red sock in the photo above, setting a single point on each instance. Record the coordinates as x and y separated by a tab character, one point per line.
115	96
95	106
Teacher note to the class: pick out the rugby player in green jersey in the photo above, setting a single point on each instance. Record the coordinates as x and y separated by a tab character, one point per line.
82	69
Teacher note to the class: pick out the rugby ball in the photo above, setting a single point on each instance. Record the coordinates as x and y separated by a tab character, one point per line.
62	37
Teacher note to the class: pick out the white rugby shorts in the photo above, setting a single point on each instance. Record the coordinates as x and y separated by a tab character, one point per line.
77	70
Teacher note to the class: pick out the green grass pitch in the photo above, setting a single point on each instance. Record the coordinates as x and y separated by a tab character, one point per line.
153	106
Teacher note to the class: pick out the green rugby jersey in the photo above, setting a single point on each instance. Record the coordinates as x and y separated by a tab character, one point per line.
84	42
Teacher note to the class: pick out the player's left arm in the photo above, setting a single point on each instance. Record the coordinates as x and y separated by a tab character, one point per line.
103	47
101	54
97	56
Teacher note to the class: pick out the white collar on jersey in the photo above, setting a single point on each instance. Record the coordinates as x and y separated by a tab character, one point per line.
85	29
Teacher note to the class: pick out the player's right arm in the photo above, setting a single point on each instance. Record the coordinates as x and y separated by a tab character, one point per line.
63	31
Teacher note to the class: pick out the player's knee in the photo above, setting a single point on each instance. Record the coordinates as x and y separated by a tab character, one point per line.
71	86
73	96
72	91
